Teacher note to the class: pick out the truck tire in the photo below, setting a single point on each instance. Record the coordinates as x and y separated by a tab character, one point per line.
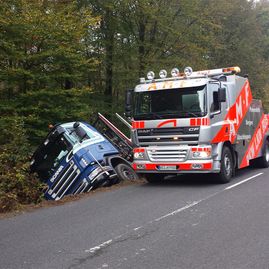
226	166
153	178
125	172
263	162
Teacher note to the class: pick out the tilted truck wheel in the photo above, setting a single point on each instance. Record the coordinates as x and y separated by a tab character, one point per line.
263	162
125	172
153	178
226	166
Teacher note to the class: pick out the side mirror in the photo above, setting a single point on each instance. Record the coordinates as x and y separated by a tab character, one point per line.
222	95
57	132
128	103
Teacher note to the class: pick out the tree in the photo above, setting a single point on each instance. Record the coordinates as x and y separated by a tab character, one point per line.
42	44
137	35
240	38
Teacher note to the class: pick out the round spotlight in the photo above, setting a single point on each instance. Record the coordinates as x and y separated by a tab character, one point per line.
175	72
188	71
163	73
150	75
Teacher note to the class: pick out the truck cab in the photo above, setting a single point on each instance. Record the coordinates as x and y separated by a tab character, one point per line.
196	122
75	158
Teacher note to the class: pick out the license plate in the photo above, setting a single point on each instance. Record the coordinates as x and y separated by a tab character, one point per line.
167	167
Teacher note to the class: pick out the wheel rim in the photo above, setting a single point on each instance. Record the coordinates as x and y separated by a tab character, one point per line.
127	173
228	165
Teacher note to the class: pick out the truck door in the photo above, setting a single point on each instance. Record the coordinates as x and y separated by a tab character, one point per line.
217	110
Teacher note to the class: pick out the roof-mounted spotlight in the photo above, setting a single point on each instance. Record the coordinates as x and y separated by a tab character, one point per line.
188	71
150	75
175	72
163	73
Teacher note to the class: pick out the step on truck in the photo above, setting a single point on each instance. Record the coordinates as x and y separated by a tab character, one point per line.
196	122
75	157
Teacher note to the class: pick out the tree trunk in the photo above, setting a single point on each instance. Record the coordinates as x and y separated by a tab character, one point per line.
109	44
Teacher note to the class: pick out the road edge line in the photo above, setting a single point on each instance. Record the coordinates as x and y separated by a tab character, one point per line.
243	181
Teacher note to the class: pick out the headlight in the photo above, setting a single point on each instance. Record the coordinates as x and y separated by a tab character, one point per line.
188	71
201	154
95	172
139	155
163	73
150	75
175	72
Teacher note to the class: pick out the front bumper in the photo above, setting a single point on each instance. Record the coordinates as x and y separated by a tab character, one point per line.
192	166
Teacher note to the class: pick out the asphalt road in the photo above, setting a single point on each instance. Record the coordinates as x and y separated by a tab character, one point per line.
185	223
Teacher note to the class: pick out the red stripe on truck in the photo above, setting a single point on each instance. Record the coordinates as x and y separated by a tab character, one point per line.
181	166
138	150
235	116
199	122
138	124
173	122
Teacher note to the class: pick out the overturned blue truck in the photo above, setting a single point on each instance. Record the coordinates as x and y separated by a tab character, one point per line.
77	157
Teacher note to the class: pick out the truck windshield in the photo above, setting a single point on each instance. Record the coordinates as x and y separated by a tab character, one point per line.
171	103
49	156
74	138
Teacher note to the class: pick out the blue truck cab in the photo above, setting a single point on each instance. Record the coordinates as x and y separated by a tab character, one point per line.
75	158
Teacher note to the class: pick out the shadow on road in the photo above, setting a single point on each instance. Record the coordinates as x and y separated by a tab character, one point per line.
200	180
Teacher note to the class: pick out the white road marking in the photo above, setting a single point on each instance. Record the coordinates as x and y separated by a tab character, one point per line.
190	205
243	181
178	210
94	249
118	237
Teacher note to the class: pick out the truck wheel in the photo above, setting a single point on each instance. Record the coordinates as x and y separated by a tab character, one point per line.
153	178
263	162
226	166
125	172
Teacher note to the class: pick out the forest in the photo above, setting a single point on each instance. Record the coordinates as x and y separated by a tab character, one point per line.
63	60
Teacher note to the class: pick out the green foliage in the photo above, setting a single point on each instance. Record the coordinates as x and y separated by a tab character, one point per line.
59	57
42	43
141	35
17	187
41	108
137	36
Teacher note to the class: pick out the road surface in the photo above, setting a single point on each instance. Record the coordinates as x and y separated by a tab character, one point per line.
185	223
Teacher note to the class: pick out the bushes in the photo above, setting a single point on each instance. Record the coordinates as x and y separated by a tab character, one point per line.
20	135
17	186
42	107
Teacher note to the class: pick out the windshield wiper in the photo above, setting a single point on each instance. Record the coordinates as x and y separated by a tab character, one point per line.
148	115
179	113
192	113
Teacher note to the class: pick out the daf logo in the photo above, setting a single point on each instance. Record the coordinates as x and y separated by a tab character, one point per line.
193	129
144	131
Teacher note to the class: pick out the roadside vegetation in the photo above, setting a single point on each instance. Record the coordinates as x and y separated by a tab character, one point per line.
63	60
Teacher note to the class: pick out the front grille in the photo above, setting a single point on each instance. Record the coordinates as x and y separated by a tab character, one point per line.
167	155
81	187
64	181
167	139
168	136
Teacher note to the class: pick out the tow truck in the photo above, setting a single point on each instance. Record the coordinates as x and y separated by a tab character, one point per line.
75	157
196	122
